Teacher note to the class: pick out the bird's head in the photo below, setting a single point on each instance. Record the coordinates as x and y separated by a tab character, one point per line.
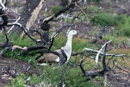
73	32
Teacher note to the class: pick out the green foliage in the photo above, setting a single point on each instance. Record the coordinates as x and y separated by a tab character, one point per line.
35	79
21	42
56	8
121	22
92	8
18	82
74	78
78	47
23	56
59	41
104	19
52	76
124	25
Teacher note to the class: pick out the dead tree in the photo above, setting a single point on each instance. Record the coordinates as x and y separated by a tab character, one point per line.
106	65
5	45
29	15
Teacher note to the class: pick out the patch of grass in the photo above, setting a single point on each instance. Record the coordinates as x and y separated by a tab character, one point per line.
20	42
120	22
23	56
18	82
92	8
104	19
56	8
125	25
121	51
74	78
116	41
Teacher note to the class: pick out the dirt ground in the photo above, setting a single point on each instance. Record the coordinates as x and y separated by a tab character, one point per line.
10	68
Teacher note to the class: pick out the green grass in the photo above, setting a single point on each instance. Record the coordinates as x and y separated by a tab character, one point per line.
104	19
20	42
56	8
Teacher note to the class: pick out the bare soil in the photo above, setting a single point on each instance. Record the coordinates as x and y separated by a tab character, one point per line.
10	68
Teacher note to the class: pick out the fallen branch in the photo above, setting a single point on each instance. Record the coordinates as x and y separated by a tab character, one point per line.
100	72
107	67
86	50
97	56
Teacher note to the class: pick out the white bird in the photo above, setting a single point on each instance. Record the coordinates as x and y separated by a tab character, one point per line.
65	51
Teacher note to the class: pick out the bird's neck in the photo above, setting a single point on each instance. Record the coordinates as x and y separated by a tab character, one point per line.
68	47
69	41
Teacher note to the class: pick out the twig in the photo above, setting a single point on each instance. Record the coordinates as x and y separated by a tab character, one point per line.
13	25
96	51
46	20
81	9
3	6
24	29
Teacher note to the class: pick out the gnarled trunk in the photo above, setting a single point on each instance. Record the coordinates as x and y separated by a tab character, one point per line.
29	15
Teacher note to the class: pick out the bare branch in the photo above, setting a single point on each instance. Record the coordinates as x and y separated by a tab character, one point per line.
81	9
13	25
97	56
3	6
24	29
50	18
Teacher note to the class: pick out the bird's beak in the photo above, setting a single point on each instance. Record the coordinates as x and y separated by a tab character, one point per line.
77	34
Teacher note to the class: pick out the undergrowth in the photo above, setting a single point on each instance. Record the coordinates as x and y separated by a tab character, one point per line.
73	76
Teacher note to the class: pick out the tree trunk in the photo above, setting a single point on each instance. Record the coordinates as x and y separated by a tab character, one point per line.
29	15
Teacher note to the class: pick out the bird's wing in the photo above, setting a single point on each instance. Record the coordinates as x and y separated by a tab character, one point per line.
49	57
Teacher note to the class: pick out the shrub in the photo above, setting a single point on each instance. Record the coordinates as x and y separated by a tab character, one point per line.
18	82
92	8
124	25
104	19
21	42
